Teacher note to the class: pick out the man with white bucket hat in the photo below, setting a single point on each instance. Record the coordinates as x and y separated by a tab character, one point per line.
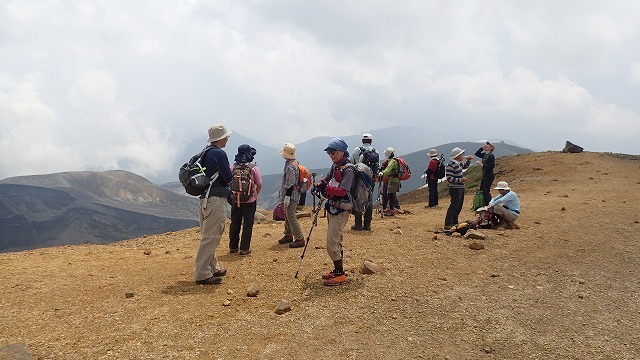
456	180
506	205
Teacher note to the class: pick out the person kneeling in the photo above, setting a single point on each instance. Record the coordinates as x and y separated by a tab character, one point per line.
506	205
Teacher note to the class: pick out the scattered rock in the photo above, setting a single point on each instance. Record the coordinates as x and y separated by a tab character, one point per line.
253	290
397	232
475	234
563	209
456	235
435	237
226	302
476	246
259	217
537	222
229	292
282	307
347	255
495	275
369	268
129	294
147	252
16	351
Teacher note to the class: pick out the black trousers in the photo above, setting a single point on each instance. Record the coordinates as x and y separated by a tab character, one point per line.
389	198
485	187
246	214
368	215
457	200
433	192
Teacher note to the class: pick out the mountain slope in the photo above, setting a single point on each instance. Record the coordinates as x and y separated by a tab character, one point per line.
87	207
564	286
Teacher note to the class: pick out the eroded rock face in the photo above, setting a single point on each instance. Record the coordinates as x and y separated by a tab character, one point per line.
572	148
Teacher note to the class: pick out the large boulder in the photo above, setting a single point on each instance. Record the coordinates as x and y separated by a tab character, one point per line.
571	148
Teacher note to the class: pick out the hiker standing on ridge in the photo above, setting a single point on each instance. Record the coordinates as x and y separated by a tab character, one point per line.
336	187
487	164
506	205
390	183
456	180
244	211
212	212
432	179
289	195
367	155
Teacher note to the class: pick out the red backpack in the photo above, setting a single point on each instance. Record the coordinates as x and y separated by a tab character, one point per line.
404	173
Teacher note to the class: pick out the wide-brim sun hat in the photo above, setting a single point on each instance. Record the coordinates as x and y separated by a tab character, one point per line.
288	151
456	152
433	153
218	132
502	185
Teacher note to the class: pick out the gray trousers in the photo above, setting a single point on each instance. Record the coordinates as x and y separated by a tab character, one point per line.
212	214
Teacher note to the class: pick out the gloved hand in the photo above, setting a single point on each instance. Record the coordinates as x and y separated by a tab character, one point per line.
380	174
287	201
321	185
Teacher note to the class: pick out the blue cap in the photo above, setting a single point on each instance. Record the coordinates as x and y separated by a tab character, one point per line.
337	144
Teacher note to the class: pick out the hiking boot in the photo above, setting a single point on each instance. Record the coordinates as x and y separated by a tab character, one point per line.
245	252
366	228
356	227
389	213
296	244
331	274
219	273
210	281
286	239
233	251
336	280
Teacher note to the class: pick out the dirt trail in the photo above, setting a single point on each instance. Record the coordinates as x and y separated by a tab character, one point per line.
564	286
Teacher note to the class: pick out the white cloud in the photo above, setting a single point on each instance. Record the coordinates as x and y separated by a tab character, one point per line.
128	84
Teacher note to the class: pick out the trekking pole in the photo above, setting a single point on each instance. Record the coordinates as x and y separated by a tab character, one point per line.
316	210
313	176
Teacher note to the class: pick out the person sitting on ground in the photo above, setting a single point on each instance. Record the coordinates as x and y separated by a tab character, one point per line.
506	206
336	187
487	164
390	183
289	196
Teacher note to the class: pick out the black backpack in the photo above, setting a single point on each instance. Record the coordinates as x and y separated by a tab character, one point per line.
192	176
441	168
371	158
242	183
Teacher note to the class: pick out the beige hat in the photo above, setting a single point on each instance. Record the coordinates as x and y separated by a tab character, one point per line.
288	151
433	152
217	132
456	152
502	185
388	152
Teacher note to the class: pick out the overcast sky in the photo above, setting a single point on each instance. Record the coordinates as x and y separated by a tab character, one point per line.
97	85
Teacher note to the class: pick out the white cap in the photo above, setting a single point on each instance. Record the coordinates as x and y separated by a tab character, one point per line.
367	136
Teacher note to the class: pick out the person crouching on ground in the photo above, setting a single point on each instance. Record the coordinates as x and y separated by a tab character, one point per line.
336	187
390	183
506	205
289	197
456	180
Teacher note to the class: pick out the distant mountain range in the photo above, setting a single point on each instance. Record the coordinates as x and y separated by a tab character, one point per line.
87	207
102	207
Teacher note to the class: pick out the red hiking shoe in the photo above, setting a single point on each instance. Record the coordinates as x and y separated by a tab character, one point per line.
336	280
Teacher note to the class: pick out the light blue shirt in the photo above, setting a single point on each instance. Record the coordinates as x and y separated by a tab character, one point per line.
509	200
